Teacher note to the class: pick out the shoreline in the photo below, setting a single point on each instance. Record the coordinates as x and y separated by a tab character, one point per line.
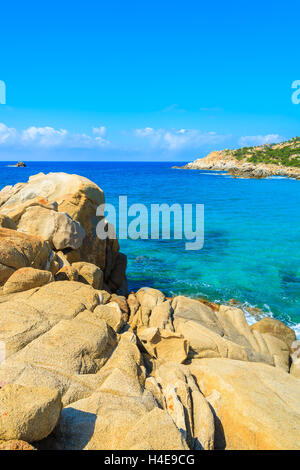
243	170
253	162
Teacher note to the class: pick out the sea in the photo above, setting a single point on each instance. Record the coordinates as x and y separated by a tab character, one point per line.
251	250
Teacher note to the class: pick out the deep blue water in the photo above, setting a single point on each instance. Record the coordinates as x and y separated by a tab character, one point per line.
252	232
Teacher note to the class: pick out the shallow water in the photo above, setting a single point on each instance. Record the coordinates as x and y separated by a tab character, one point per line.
252	232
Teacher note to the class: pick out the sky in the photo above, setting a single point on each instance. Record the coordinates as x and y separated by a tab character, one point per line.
156	81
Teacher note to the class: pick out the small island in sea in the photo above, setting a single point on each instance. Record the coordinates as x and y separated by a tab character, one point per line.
18	165
281	159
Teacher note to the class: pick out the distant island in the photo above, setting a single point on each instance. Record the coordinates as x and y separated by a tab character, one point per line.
18	165
282	159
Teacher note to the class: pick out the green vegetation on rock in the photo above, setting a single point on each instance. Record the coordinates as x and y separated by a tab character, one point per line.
285	153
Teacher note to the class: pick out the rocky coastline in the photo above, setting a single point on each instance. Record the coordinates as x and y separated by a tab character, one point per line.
253	162
86	365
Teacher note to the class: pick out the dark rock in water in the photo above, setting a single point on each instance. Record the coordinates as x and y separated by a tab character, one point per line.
21	164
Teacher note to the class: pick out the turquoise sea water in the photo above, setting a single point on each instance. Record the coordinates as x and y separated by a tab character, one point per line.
252	232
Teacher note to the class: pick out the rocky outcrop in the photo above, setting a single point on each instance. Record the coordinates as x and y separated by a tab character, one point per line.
256	406
84	366
243	163
127	385
60	210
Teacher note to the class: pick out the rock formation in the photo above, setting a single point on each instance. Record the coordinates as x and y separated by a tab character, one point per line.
83	367
59	211
254	162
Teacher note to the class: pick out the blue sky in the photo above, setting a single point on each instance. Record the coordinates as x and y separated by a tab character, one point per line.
134	80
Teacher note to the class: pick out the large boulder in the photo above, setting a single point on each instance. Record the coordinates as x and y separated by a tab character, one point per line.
225	333
77	346
256	406
53	339
275	328
74	194
19	250
58	228
89	273
61	193
25	316
25	279
28	413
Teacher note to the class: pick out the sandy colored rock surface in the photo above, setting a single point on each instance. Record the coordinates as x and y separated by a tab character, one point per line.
131	372
28	413
225	333
186	404
256	406
295	357
18	250
15	444
111	313
25	279
58	228
68	206
164	344
90	274
25	316
275	328
67	273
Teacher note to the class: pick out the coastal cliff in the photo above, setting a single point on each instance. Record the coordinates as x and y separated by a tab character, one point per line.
84	365
281	159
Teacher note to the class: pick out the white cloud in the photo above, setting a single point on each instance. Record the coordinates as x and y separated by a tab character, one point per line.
50	137
147	131
7	135
260	139
44	136
178	139
101	131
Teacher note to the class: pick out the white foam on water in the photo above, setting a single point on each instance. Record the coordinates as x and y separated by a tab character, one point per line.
268	313
296	328
277	178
